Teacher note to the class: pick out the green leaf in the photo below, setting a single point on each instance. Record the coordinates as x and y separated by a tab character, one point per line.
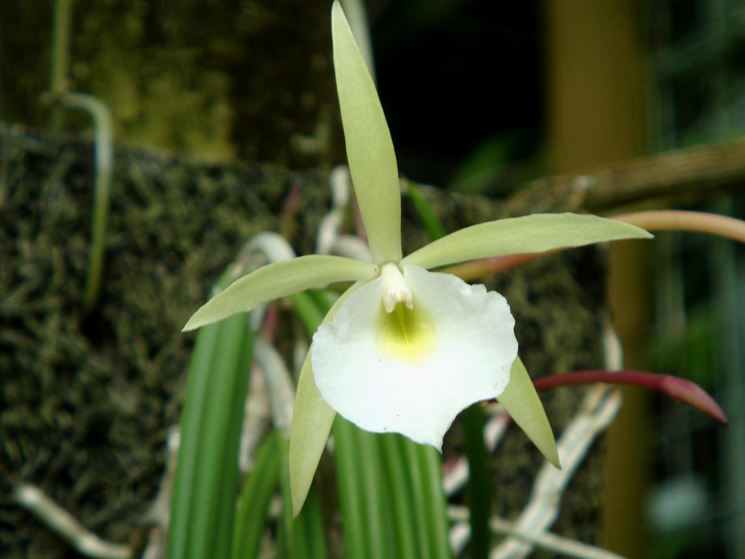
400	496
253	505
302	536
418	483
372	161
188	453
530	233
362	492
203	503
430	465
349	483
276	280
522	403
311	418
431	222
479	493
377	512
315	531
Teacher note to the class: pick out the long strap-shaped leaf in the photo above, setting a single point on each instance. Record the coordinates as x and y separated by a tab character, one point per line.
253	505
430	465
479	481
203	504
302	536
401	497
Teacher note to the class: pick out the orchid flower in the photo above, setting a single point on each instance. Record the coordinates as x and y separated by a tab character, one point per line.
404	350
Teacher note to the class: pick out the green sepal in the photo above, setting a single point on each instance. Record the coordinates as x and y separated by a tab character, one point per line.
527	234
311	422
276	280
372	160
521	401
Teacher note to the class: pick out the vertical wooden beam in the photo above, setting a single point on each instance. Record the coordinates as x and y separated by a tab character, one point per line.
594	77
595	115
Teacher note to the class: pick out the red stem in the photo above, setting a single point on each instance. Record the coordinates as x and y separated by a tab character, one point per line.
680	389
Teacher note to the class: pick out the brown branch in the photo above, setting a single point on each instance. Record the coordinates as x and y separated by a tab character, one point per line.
693	173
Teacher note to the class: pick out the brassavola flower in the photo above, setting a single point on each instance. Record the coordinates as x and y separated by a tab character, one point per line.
404	349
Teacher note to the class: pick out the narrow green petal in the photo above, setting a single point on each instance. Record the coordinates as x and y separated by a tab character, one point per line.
530	233
279	280
521	401
372	160
311	422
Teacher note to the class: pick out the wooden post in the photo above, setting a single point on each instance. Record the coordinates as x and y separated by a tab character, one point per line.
595	117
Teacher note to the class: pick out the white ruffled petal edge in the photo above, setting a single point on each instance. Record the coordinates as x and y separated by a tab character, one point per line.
460	349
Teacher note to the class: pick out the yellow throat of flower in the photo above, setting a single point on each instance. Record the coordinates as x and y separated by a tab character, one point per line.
405	330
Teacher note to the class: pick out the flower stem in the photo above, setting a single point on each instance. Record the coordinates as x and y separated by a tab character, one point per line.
679	220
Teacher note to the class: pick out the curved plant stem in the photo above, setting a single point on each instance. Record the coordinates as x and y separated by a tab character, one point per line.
65	525
677	388
679	220
103	123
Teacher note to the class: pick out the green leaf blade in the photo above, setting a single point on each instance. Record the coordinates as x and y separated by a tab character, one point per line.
377	510
400	496
527	234
188	454
479	493
435	502
277	280
302	535
521	401
252	512
203	502
372	160
349	481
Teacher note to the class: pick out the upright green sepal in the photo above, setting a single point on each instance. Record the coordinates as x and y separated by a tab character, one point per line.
522	403
372	161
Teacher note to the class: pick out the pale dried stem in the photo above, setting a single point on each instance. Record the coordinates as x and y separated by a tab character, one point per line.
278	382
545	540
256	420
598	409
67	526
328	230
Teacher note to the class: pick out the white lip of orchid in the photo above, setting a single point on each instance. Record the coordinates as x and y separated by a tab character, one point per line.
395	288
412	369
